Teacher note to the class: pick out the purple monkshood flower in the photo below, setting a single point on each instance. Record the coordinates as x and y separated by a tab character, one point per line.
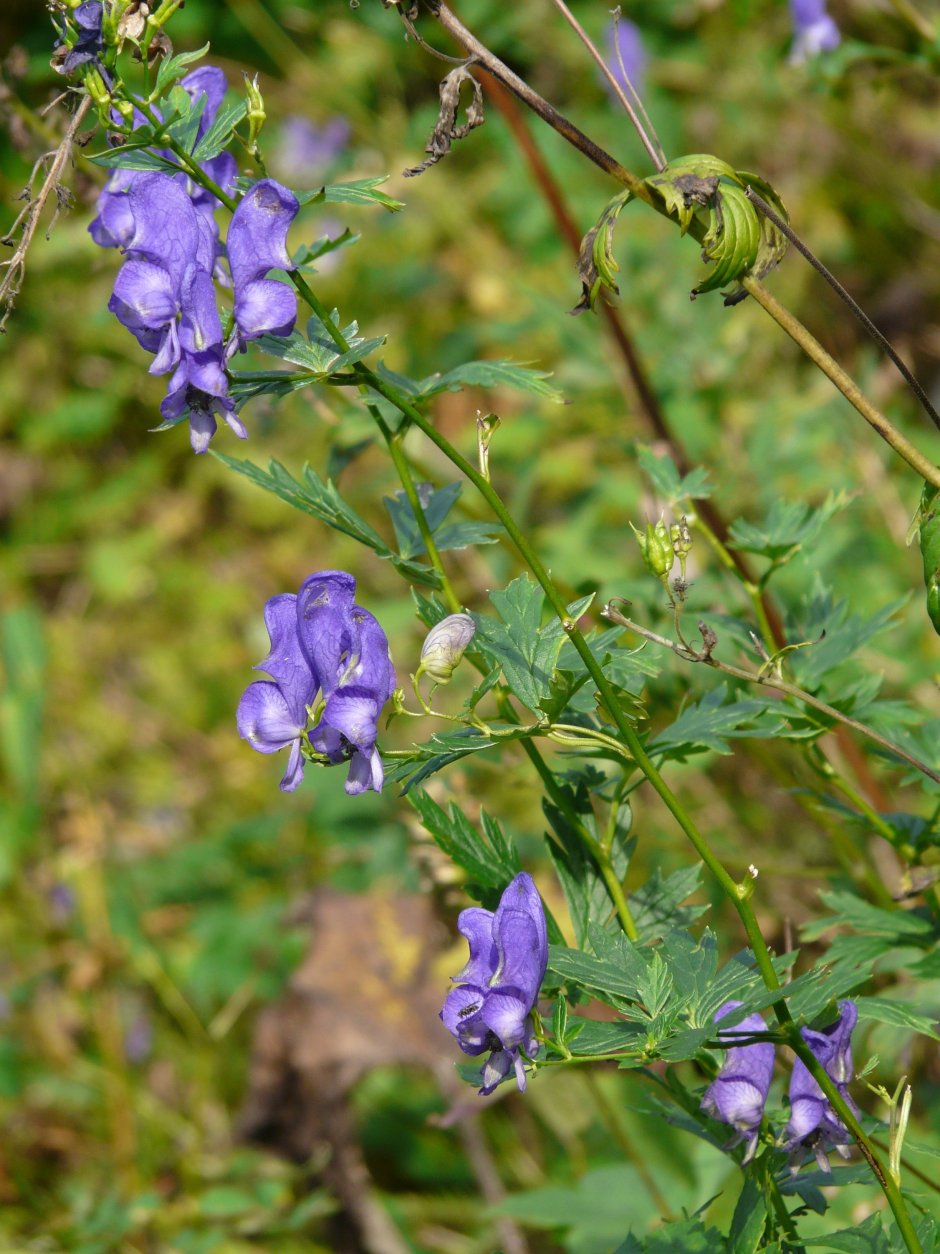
625	45
164	293
112	226
165	296
813	1123
306	150
321	642
257	243
89	44
491	1006
814	31
738	1093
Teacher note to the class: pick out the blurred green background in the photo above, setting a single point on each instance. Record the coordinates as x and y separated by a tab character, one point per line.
157	890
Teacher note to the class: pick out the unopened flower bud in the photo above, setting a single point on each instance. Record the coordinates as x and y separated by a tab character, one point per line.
444	647
681	538
256	112
656	547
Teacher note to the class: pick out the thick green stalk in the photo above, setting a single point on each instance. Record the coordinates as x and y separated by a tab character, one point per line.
393	441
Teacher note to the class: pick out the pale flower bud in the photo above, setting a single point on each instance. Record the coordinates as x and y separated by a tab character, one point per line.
444	647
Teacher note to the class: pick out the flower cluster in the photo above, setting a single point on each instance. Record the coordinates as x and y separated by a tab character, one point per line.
165	294
329	657
491	1006
739	1092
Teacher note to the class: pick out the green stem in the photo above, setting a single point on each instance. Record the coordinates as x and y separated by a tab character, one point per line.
846	385
878	823
784	1218
600	855
393	440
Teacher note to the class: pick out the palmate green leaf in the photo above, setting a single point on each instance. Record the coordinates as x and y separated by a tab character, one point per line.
834	635
819	989
711	722
133	157
666	480
492	374
589	1212
895	926
526	651
898	1014
688	1235
657	905
586	1038
323	501
318	353
436	505
732	239
788	527
488	857
174	67
441	750
869	1237
604	978
183	115
306	254
218	134
750	1216
586	895
356	192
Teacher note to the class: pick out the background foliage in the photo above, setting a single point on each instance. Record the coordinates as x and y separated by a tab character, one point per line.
155	885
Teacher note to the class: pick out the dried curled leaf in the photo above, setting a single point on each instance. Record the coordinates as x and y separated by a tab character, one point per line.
447	130
596	264
773	243
739	242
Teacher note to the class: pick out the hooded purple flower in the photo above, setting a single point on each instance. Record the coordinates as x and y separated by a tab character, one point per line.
112	226
209	81
164	295
257	243
738	1093
89	43
321	642
348	651
273	716
813	1123
814	31
625	51
491	1006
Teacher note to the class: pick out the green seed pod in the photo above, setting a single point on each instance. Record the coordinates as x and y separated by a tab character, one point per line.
681	538
929	520
444	646
656	547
